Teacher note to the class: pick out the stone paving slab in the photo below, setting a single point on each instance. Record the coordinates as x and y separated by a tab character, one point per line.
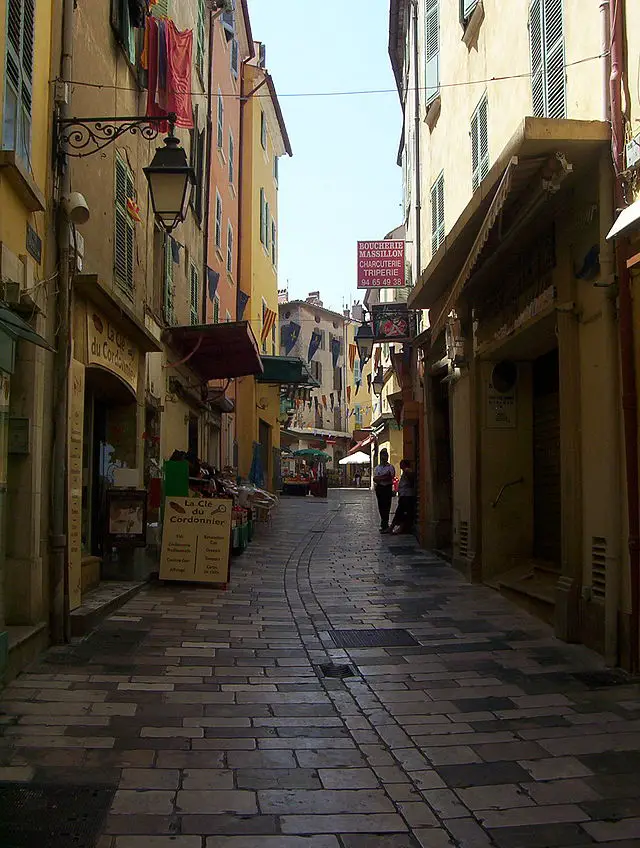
219	730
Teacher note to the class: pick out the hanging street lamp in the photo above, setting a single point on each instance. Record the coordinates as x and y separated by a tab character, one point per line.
378	383
364	342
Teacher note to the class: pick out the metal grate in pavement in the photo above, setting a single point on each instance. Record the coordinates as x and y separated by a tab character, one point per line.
55	816
371	638
335	670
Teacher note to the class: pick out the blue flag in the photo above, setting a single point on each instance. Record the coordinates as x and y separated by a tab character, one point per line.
212	282
243	299
290	334
335	351
314	344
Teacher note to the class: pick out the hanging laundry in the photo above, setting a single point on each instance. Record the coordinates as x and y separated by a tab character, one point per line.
175	251
169	65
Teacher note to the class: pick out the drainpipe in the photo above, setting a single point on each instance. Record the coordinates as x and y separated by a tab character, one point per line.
58	588
207	178
416	71
626	329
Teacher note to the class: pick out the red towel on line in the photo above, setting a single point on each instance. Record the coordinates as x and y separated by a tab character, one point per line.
176	97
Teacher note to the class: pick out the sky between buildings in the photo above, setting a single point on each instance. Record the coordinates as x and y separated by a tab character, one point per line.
342	183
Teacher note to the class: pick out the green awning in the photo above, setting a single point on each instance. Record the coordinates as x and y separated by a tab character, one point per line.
286	370
17	328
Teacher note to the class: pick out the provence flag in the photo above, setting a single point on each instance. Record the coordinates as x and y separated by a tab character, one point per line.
314	344
335	351
243	299
290	334
213	278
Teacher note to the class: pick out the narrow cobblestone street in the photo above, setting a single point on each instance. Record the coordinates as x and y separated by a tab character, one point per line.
202	719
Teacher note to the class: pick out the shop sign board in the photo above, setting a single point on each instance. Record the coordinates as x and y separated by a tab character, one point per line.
393	322
74	494
381	264
196	539
127	518
108	347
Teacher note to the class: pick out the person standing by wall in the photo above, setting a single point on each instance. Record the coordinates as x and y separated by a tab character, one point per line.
405	511
383	476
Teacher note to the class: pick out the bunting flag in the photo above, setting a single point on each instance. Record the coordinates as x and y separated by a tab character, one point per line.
348	394
268	320
134	210
369	382
314	344
175	251
352	356
315	400
324	401
290	334
377	357
358	385
335	351
243	299
213	278
331	399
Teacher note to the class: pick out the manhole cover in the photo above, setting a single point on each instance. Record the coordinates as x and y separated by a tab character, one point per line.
371	638
58	816
603	679
334	670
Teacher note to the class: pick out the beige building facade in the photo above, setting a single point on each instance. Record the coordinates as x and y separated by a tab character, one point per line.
519	365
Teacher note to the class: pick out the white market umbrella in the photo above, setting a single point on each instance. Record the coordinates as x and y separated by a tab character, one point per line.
358	458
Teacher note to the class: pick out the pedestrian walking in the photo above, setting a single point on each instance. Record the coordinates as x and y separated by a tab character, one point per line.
406	509
383	475
357	476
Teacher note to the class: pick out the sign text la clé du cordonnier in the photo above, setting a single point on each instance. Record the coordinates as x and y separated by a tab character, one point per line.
380	264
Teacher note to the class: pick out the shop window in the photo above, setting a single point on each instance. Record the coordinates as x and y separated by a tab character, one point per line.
548	78
437	214
194	287
480	143
16	119
124	236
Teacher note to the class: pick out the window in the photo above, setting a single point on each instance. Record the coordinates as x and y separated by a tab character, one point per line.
220	128
216	309
466	10
275	169
169	315
316	370
357	371
235	58
263	218
125	34
200	38
16	120
323	340
229	248
432	49
229	20
546	38
194	288
218	221
227	316
480	143
274	253
263	130
231	159
267	229
437	213
124	236
357	411
198	141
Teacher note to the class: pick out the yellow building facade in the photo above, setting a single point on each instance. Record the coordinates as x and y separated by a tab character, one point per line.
28	275
264	141
519	368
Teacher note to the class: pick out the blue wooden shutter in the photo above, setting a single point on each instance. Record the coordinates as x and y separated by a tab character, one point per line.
432	49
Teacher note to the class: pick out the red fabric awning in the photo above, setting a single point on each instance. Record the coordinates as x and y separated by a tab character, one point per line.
216	351
361	446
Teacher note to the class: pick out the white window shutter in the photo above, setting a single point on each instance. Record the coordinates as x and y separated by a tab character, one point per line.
554	59
475	150
432	49
537	58
483	136
468	7
437	214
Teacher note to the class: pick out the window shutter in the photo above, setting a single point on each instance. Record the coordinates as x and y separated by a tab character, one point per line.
432	49
124	236
229	22
267	233
218	221
231	160
200	35
475	150
229	249
262	217
537	58
19	77
168	281
466	8
161	9
554	59
273	241
195	293
480	143
220	124
437	214
235	58
216	310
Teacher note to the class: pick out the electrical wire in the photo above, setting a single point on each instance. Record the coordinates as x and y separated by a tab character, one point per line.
348	93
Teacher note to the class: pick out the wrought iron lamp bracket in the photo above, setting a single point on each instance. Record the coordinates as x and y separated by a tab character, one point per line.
79	137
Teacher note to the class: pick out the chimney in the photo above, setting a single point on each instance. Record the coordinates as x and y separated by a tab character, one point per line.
357	311
314	298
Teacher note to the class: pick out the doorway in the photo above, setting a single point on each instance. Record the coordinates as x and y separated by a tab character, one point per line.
264	437
546	459
443	482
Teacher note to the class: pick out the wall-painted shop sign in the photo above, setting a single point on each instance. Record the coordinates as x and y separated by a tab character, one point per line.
108	347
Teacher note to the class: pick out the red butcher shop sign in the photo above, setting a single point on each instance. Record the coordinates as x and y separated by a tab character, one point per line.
380	264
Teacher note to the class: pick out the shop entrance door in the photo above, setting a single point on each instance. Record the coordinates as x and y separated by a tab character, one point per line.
546	459
443	483
264	437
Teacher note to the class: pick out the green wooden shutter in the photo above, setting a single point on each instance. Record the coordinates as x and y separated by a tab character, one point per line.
161	9
194	286
267	231
169	314
200	38
218	221
124	236
231	160
16	133
229	248
220	121
432	49
262	217
554	59
216	309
